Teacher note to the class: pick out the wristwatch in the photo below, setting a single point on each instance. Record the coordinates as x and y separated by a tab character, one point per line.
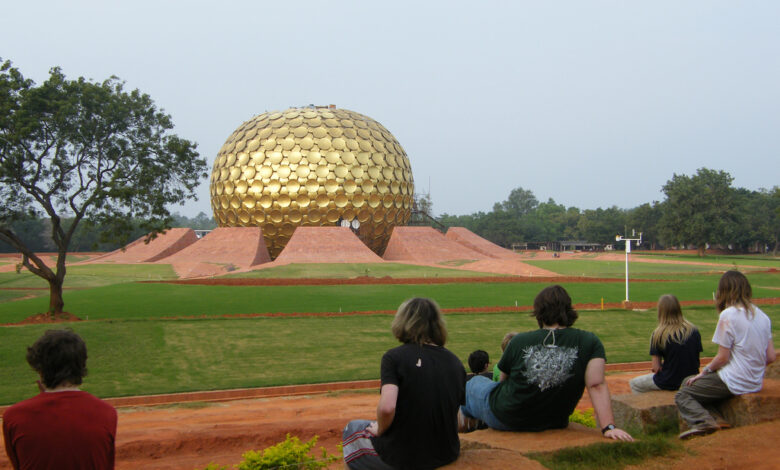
608	427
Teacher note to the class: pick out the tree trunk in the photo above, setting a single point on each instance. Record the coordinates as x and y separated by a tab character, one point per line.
702	250
56	303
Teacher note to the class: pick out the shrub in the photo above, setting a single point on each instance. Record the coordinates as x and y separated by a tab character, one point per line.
583	417
289	454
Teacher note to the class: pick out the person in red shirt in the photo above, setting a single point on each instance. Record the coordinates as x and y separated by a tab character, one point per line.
62	427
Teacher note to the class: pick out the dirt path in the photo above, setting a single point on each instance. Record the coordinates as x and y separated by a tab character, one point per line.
192	436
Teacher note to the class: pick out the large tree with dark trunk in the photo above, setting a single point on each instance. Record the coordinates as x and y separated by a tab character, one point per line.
76	150
699	209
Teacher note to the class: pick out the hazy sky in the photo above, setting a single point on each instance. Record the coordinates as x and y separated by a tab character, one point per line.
591	103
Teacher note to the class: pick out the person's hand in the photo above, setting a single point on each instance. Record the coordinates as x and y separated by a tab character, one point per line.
618	435
693	379
373	428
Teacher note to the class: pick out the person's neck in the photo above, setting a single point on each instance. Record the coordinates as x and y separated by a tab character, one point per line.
554	326
64	387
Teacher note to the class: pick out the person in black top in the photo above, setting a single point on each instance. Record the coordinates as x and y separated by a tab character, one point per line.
674	346
422	389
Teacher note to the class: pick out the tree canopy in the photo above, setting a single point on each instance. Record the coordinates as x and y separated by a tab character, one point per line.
699	210
78	150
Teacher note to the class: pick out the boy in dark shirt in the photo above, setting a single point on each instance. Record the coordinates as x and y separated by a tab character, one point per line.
479	361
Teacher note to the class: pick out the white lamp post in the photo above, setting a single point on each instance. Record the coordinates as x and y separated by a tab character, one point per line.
628	250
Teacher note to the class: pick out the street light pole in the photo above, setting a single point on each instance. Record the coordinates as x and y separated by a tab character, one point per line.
628	250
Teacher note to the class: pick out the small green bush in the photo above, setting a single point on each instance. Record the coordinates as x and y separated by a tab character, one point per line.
583	417
290	454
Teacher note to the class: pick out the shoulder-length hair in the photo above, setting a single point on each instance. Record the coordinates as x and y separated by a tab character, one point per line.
672	326
553	306
419	321
734	289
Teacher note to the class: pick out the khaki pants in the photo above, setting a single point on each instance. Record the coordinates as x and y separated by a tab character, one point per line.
696	402
643	384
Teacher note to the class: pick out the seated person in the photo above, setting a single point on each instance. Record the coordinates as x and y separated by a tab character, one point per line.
543	375
479	361
62	428
504	342
745	348
674	346
422	389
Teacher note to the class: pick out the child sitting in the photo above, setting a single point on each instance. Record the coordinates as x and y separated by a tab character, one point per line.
479	361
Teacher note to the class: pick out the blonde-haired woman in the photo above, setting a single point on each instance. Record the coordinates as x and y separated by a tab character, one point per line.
422	389
674	346
744	339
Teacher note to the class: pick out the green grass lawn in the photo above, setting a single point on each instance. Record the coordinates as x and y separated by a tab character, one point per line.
146	301
134	351
766	261
636	268
93	275
132	357
351	270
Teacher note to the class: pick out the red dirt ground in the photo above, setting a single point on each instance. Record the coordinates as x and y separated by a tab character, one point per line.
139	251
186	438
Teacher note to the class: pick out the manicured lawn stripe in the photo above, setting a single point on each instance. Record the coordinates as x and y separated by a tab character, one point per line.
351	270
134	357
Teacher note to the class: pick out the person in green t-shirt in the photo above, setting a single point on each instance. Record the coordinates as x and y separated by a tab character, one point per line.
543	374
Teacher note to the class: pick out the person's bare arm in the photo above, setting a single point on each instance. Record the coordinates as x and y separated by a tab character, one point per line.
502	375
385	411
720	360
599	397
771	355
656	364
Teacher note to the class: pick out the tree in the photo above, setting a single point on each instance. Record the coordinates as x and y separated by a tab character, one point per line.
601	225
77	150
644	218
519	203
698	209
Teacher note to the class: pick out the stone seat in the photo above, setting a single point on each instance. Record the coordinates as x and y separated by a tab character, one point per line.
648	411
489	448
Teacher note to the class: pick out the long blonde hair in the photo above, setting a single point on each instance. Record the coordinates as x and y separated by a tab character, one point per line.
672	326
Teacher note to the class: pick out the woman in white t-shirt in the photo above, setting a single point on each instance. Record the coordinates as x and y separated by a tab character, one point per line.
744	339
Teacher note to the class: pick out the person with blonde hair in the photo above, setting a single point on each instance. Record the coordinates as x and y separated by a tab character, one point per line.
422	387
744	339
674	346
504	342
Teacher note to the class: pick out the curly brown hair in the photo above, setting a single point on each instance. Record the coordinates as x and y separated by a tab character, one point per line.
60	357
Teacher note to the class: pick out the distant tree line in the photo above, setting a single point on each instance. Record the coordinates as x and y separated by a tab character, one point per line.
36	233
699	210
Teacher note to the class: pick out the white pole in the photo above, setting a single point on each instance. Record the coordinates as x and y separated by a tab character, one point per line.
628	249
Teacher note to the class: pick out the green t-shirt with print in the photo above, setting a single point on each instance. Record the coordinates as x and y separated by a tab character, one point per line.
546	377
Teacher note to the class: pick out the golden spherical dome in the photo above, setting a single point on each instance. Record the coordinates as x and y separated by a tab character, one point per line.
312	166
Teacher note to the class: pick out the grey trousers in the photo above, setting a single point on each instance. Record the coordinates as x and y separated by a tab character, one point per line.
696	402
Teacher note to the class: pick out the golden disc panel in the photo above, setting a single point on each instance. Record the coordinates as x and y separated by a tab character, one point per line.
312	166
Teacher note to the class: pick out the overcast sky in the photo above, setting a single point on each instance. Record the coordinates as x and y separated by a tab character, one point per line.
591	103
